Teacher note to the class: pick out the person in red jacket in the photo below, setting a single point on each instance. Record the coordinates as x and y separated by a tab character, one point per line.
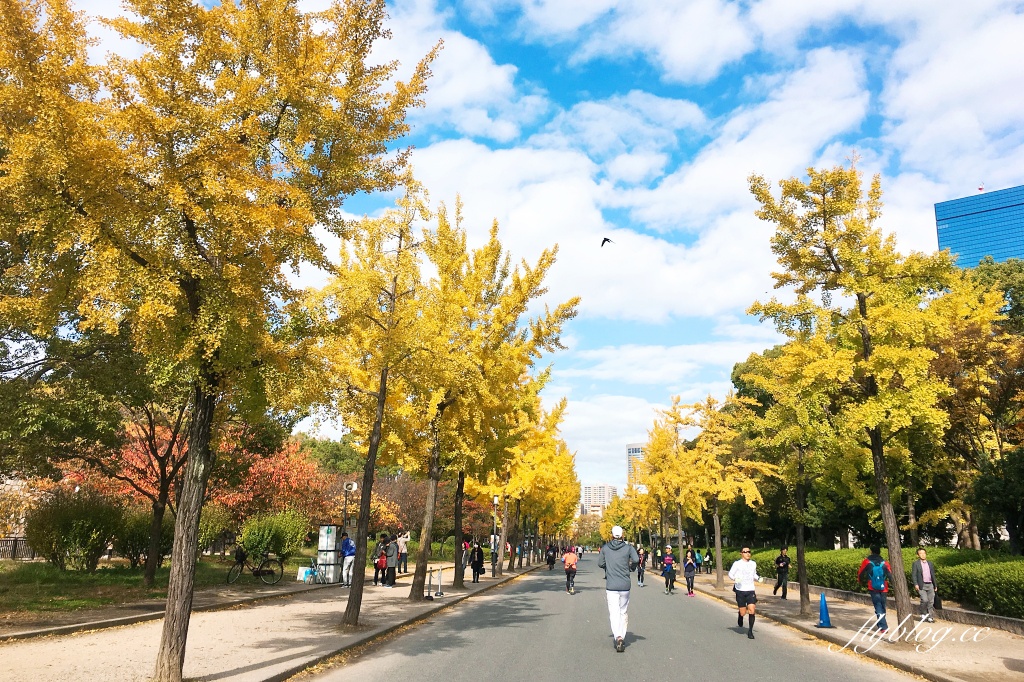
875	573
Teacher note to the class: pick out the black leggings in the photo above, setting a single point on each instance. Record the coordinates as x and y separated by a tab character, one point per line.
670	579
640	573
689	583
570	578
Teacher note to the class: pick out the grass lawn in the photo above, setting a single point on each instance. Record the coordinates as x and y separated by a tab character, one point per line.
38	587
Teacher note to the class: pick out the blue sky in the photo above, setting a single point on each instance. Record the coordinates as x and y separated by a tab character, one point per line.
574	120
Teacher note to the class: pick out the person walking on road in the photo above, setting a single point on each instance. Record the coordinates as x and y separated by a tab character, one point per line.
922	573
391	555
570	559
744	574
380	561
782	572
709	561
875	572
618	559
700	561
689	572
403	551
641	566
348	553
476	560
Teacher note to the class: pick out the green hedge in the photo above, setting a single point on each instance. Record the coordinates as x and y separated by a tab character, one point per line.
991	582
72	529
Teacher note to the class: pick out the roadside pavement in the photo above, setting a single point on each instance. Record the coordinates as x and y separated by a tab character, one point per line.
261	640
940	651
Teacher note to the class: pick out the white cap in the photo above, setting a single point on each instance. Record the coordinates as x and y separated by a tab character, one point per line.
616	531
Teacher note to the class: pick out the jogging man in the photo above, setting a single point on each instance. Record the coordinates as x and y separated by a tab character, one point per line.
570	559
782	571
744	573
618	560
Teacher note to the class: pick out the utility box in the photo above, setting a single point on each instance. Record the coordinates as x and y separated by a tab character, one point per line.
328	553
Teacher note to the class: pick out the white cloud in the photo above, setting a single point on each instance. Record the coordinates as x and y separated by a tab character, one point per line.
671	366
623	123
599	427
777	138
689	40
544	196
468	91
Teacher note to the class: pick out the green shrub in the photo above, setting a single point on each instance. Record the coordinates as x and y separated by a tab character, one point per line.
281	534
992	582
73	529
214	520
990	587
132	541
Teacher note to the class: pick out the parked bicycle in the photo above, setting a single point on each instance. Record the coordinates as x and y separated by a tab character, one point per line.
317	574
268	570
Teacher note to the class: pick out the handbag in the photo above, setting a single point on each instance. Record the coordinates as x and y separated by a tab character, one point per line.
382	561
938	601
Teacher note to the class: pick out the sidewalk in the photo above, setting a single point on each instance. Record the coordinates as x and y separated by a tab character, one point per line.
247	591
262	640
940	651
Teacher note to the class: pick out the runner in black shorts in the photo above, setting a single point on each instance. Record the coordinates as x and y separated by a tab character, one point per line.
744	572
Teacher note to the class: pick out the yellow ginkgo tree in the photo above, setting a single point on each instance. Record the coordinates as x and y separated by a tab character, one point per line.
715	473
170	192
877	314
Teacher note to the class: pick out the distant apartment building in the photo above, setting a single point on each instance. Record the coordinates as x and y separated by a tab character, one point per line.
987	224
634	455
595	498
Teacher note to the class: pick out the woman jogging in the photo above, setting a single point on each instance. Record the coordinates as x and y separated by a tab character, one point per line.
689	571
668	569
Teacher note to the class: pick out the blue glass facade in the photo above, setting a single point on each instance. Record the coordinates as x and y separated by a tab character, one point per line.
989	224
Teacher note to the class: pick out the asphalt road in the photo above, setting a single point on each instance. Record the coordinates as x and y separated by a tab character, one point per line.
532	629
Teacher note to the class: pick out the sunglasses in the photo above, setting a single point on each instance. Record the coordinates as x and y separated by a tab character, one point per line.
746	551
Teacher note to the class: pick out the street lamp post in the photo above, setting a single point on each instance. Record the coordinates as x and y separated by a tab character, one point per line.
349	487
494	541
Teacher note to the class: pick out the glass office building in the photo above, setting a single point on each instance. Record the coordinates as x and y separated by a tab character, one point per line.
988	224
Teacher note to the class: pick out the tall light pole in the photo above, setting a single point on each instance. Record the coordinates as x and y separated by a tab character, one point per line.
349	487
494	541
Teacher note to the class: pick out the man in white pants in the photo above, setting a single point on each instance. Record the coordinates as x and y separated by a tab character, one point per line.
348	553
618	559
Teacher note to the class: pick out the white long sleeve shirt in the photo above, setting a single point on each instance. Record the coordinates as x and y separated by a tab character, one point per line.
744	573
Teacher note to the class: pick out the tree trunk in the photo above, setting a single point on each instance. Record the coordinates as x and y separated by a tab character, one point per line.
528	550
513	538
719	578
975	535
911	513
355	593
679	531
419	578
460	494
801	499
154	557
501	537
892	529
889	520
171	654
661	524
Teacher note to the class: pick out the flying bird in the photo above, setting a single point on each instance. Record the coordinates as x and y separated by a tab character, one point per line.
606	241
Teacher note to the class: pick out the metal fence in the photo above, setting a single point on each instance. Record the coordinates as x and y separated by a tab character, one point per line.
16	548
